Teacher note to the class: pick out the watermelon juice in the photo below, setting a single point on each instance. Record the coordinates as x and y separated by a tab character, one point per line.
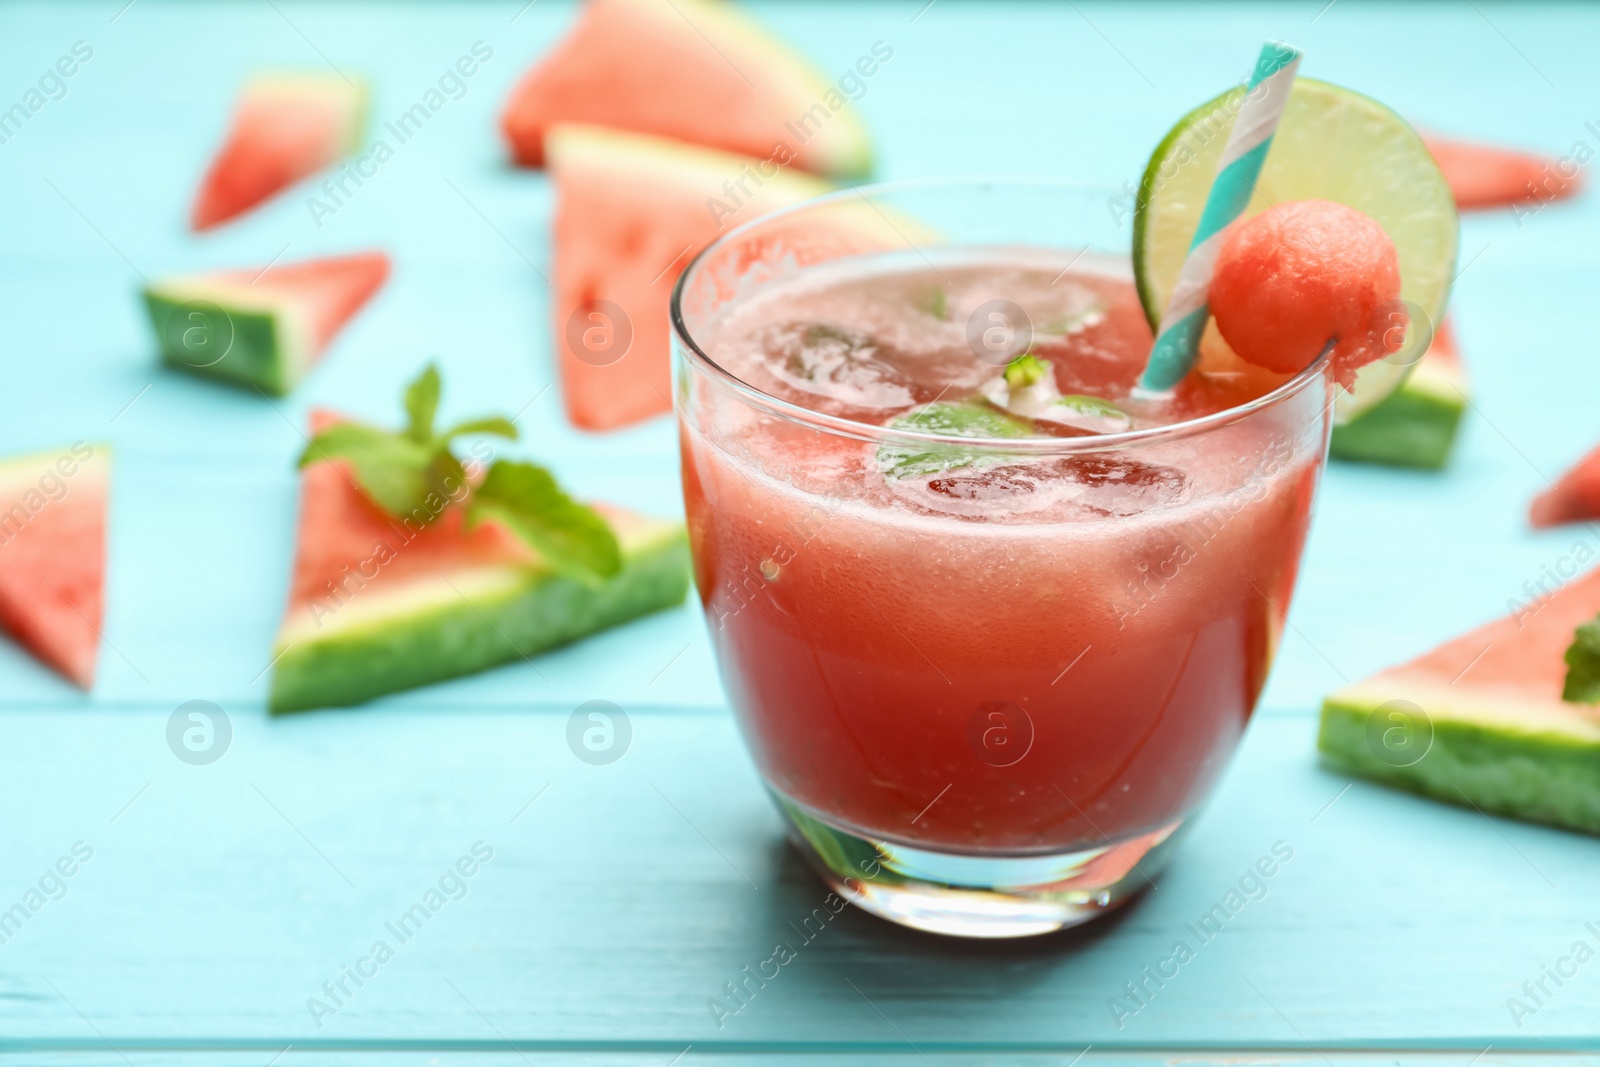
984	678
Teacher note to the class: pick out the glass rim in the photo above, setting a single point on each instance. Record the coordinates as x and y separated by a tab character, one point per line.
840	426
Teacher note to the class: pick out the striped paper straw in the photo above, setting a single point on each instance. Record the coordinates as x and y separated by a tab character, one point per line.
1178	343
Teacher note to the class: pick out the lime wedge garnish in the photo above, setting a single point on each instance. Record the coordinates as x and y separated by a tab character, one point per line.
1331	144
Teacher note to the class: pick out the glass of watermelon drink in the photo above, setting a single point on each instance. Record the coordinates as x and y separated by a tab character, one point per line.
991	625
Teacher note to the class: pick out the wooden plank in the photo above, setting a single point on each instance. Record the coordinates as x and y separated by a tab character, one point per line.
621	900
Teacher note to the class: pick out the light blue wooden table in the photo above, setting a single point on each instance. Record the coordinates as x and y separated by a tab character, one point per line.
619	899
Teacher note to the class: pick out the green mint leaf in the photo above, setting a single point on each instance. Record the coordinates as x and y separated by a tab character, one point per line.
1583	665
413	475
447	483
394	470
934	302
955	419
422	403
1089	413
571	537
1027	369
495	425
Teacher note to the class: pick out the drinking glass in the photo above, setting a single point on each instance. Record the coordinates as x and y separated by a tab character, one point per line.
982	717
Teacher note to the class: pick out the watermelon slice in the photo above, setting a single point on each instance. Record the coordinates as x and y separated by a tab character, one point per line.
1574	498
1483	176
53	554
285	127
693	70
631	212
1480	720
1414	426
265	328
379	604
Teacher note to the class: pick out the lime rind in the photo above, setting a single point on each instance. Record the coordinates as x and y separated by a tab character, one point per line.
1331	144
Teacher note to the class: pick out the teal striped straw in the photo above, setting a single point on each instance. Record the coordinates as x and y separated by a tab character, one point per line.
1266	95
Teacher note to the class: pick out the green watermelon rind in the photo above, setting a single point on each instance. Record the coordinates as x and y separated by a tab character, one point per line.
1414	426
1502	761
266	351
480	618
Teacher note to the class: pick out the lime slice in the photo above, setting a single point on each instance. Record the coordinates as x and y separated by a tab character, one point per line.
1331	144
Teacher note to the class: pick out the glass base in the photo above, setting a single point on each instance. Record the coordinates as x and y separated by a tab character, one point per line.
979	895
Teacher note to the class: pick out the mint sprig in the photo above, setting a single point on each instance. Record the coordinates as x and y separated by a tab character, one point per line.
414	474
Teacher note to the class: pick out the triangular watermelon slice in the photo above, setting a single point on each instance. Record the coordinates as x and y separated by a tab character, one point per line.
1480	719
631	212
285	127
1574	498
53	554
1484	176
693	70
379	604
265	328
1414	426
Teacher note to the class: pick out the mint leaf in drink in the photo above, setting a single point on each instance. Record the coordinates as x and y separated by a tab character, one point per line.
950	419
934	302
1027	387
572	537
1087	413
962	418
1028	369
1583	665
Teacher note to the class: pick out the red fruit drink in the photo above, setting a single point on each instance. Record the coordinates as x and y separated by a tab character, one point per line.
1045	655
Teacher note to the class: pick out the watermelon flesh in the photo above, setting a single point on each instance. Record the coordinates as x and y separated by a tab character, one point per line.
53	554
285	127
1483	176
1416	425
261	328
1298	275
693	70
1574	498
631	212
378	604
1502	739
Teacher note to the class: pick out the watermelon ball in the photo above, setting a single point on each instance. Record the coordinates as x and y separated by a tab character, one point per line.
1301	274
